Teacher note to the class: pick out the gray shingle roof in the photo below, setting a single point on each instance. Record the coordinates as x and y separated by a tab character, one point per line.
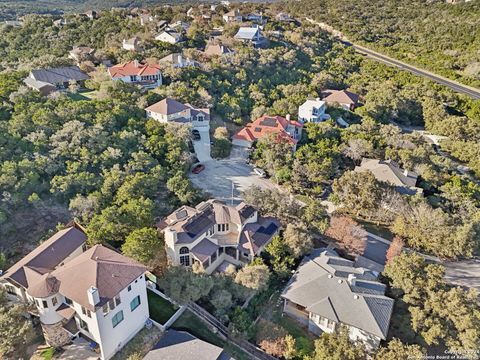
59	75
204	249
175	345
321	284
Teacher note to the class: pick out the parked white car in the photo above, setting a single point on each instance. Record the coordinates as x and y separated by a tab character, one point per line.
259	172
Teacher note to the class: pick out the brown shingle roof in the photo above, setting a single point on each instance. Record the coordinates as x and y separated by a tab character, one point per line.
341	97
167	106
100	267
46	257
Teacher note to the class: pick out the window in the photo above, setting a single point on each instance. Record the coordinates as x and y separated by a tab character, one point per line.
68	301
111	304
184	256
54	301
86	312
117	300
10	290
221	250
117	318
222	227
105	309
45	304
129	287
83	325
84	247
199	117
213	257
134	303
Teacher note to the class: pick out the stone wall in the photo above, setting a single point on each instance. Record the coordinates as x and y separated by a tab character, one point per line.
55	335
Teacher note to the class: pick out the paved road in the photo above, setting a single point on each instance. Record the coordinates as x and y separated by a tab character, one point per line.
454	85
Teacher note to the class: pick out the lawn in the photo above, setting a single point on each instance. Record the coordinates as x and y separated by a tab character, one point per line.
160	309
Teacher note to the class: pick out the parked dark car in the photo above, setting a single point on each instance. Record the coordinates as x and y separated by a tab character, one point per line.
196	135
198	168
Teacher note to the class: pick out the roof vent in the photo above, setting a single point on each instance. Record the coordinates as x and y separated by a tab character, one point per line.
330	276
340	281
356	297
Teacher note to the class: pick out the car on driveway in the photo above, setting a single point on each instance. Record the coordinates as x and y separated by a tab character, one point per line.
259	172
196	134
198	168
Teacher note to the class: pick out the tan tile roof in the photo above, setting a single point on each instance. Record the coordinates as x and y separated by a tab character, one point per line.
100	267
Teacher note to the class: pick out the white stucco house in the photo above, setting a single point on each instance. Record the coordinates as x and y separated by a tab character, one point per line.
148	76
74	291
233	16
216	235
171	110
169	36
328	291
312	110
178	60
132	44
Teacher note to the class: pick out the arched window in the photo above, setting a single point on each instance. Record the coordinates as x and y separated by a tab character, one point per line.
184	256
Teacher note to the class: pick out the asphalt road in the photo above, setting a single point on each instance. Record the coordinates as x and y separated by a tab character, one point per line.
454	85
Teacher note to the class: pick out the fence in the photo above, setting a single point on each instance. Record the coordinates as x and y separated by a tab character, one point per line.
246	346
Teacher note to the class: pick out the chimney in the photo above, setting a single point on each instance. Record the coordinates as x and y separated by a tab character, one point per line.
352	279
135	63
405	172
93	296
288	117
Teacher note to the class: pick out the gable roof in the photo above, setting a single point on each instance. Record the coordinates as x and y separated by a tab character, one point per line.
330	286
267	125
217	49
46	257
176	345
175	35
340	96
132	68
100	267
59	75
247	33
388	171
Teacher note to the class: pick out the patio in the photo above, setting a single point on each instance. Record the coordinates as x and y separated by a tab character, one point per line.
78	350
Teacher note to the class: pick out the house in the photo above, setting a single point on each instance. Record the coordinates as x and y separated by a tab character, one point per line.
81	53
95	293
170	110
250	35
346	99
179	25
216	235
132	44
91	14
284	17
48	80
60	22
14	23
177	60
265	125
389	171
146	19
217	49
233	16
146	75
257	18
169	36
327	291
312	110
176	345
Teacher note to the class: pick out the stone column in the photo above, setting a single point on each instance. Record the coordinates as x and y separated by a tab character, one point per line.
55	335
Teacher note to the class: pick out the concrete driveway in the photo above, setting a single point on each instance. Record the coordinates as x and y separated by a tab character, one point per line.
465	273
222	177
202	146
78	350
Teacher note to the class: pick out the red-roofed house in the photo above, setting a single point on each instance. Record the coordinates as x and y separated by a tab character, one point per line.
133	72
265	125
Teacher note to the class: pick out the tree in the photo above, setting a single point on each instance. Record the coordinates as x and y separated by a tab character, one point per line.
395	349
254	277
279	257
298	240
146	246
395	248
348	233
337	346
359	193
183	285
15	330
221	300
290	351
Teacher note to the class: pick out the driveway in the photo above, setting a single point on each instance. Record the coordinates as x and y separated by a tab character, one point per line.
78	350
202	146
221	178
465	273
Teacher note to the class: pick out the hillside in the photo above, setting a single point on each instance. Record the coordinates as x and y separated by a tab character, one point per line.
440	37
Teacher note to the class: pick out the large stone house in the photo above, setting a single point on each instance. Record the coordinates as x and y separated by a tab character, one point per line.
133	72
170	110
283	128
96	293
328	291
216	235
